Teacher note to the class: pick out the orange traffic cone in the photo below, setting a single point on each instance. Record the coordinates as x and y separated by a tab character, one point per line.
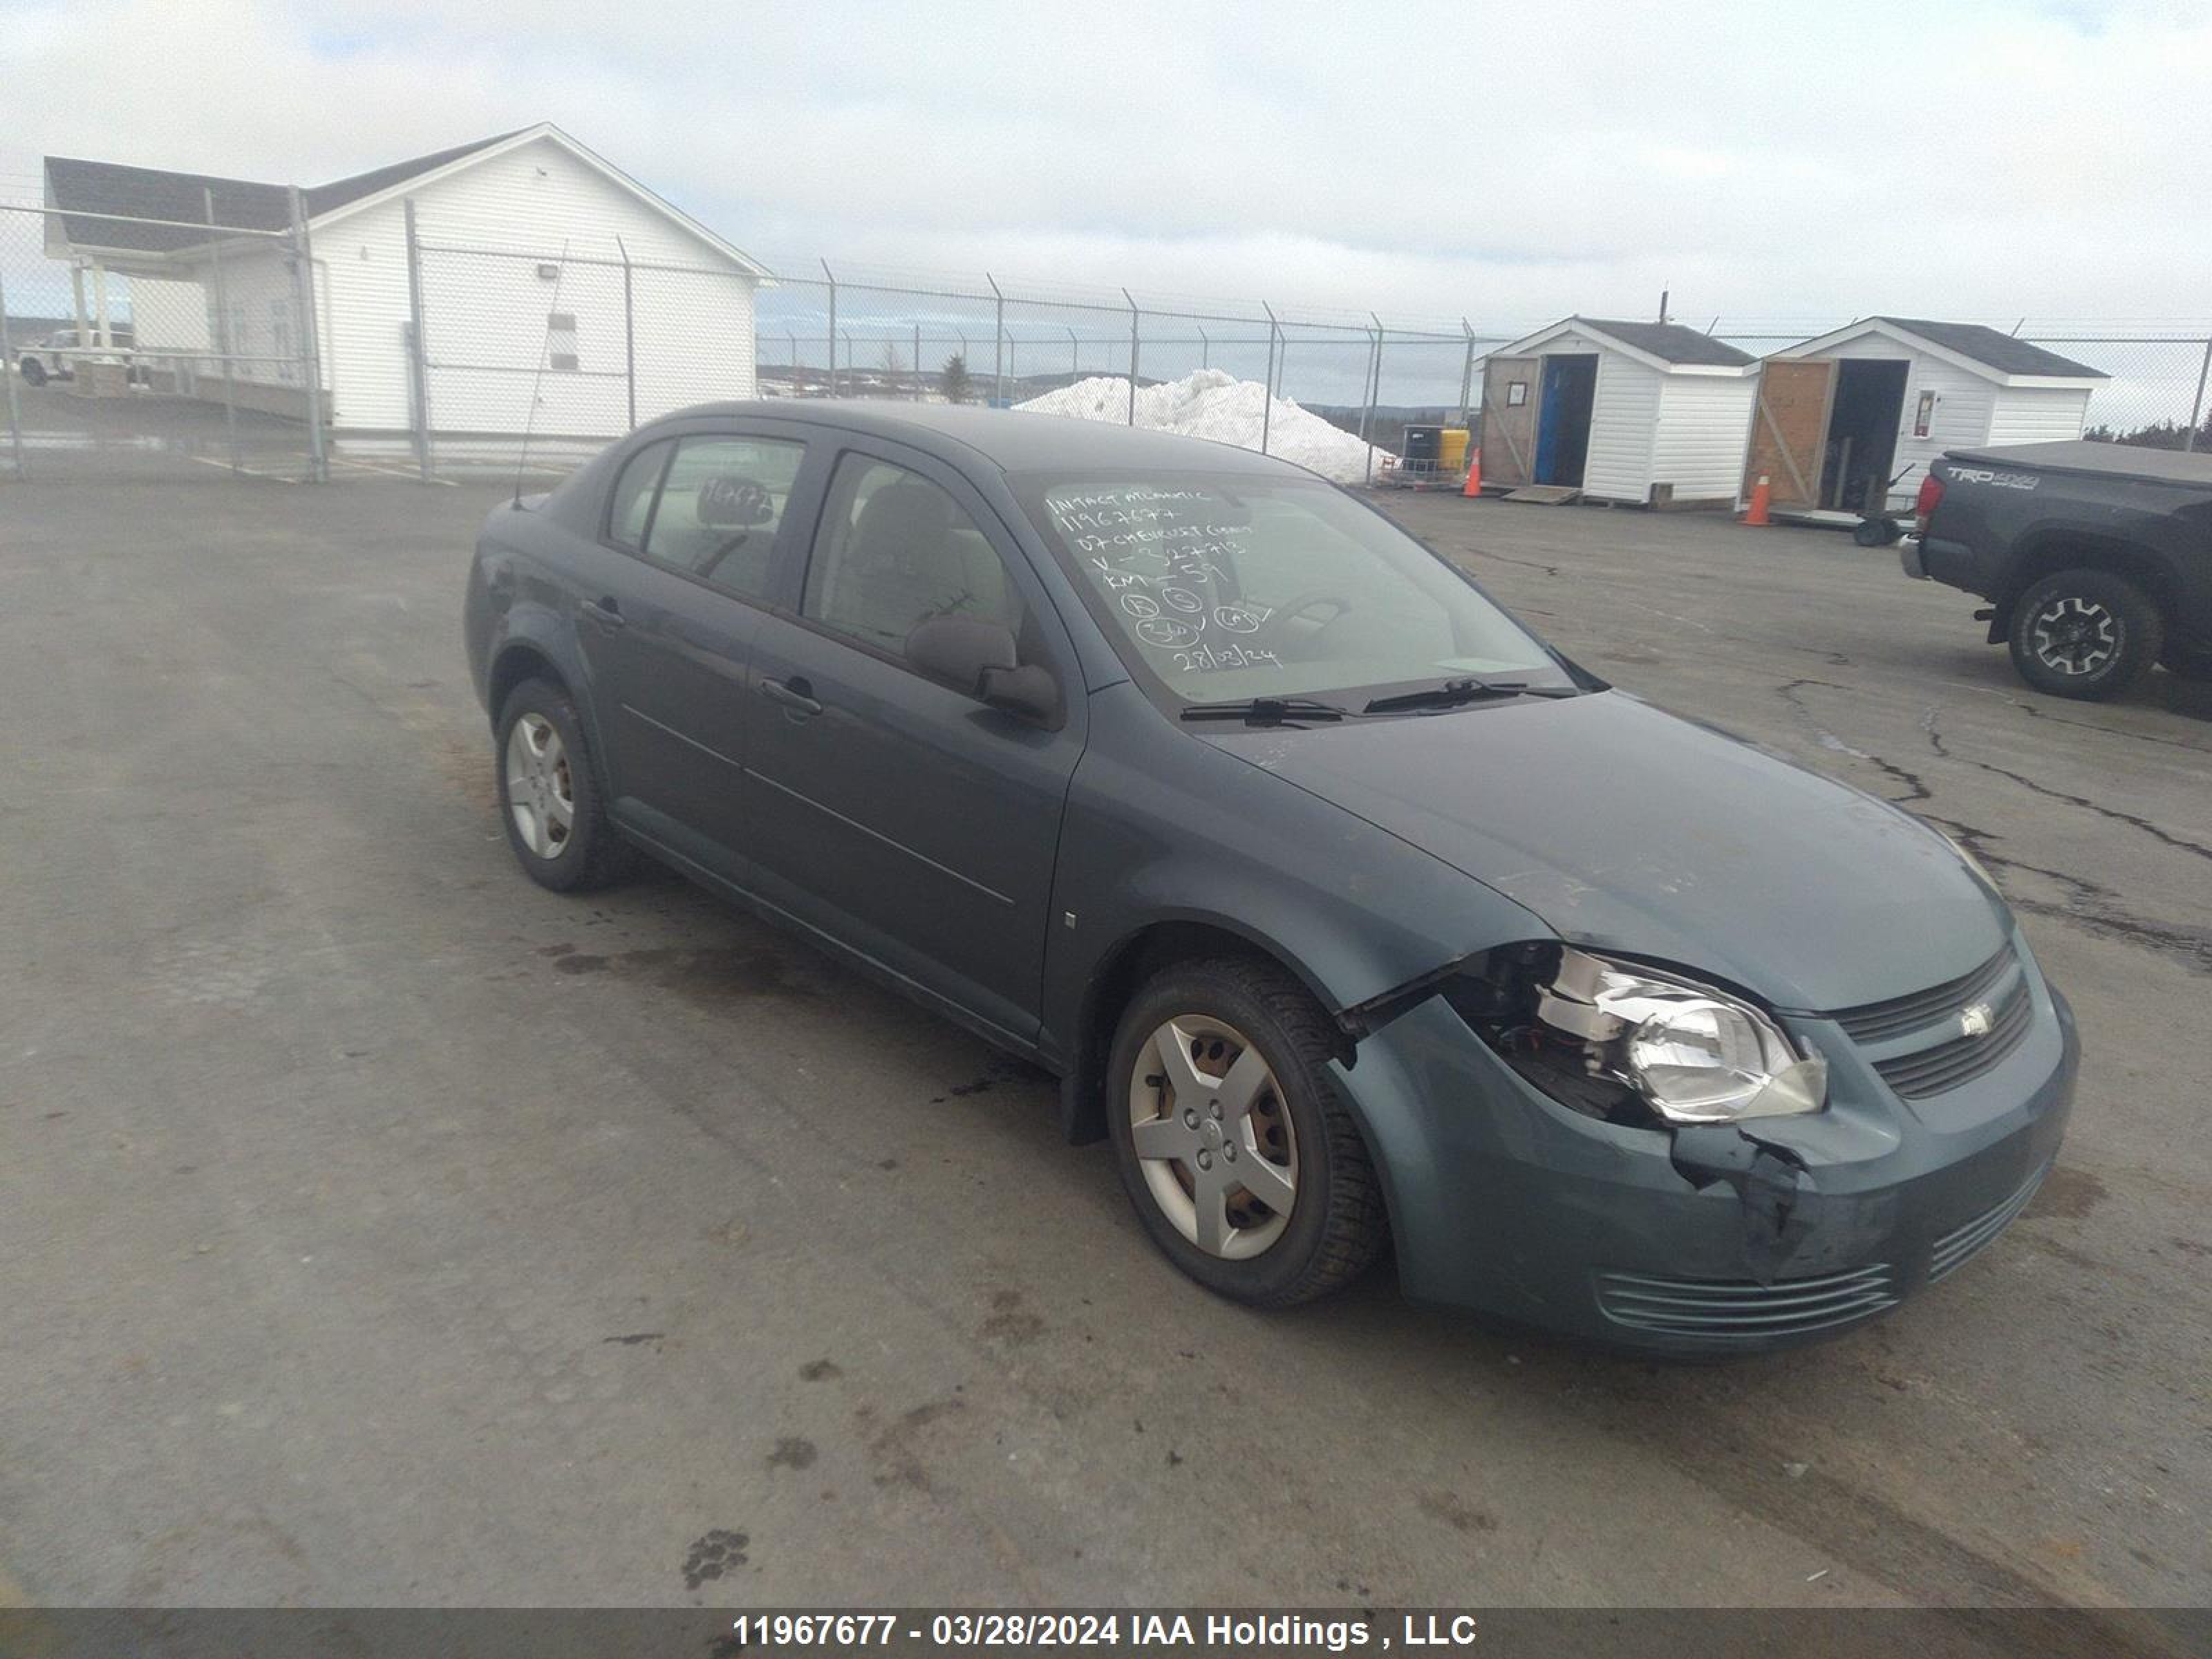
1473	475
1760	497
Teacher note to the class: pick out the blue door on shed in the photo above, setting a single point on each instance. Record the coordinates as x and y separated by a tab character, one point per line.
1563	418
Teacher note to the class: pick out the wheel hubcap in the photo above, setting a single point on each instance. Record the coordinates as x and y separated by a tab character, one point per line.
2074	635
541	792
1213	1136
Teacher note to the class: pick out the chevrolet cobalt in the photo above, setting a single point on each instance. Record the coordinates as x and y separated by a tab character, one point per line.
1353	914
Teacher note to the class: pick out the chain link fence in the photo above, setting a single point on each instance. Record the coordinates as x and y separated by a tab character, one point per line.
138	345
181	344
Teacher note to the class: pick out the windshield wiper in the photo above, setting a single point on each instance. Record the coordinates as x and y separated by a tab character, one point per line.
1265	711
1452	693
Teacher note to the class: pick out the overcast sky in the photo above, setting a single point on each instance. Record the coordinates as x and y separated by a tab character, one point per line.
1784	162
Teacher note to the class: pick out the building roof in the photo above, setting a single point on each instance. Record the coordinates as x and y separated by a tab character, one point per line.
2002	352
87	190
1971	346
1661	345
324	198
1669	341
104	206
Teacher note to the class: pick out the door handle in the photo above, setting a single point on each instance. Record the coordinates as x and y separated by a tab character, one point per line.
794	694
606	613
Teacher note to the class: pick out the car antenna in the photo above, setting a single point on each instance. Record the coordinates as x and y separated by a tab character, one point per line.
537	376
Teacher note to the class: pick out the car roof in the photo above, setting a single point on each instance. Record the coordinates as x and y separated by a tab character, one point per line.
1013	440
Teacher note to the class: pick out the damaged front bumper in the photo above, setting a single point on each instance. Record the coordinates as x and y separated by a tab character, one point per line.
1698	1239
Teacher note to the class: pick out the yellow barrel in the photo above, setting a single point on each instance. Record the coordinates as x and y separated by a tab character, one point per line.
1451	451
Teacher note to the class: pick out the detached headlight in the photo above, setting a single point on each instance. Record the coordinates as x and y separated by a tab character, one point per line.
1628	1044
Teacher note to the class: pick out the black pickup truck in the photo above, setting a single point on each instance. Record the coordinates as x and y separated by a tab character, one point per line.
2096	558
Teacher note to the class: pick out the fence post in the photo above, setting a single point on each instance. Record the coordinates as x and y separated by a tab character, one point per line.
1373	389
310	341
1132	356
1074	356
2197	409
629	336
829	276
7	372
418	355
1267	384
1467	372
917	362
1204	347
222	333
998	341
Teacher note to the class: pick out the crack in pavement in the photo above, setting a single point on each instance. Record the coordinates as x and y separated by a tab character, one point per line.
2092	906
2087	904
1830	741
1507	558
2033	713
1935	742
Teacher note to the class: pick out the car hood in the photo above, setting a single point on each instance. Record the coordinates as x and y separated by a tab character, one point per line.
1632	831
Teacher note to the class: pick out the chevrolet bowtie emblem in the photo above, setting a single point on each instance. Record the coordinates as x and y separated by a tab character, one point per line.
1976	1018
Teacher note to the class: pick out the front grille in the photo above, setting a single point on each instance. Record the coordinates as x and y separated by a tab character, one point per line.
1949	1064
1877	1022
1953	1249
1741	1308
1918	1043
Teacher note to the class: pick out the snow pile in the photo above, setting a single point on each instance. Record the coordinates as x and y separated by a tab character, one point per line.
1214	403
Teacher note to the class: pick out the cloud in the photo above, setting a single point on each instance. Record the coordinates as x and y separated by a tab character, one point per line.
1788	161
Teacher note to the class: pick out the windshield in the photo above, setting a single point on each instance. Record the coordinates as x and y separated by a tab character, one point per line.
1222	588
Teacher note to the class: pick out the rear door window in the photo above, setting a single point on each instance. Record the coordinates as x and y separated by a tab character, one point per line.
721	505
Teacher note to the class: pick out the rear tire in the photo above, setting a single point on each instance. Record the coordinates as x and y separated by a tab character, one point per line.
2086	633
34	372
1256	1104
550	800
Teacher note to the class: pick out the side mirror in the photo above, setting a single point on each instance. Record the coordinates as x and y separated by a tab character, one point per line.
981	659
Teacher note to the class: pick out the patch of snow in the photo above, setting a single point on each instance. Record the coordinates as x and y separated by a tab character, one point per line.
1214	403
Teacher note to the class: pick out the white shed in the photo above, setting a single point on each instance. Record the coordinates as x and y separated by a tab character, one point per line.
1849	422
533	249
1651	413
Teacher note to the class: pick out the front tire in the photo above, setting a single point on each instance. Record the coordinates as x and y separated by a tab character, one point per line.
2086	634
34	372
550	800
1242	1164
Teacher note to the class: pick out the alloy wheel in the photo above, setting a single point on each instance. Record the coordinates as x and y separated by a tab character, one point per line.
1213	1136
2075	637
541	790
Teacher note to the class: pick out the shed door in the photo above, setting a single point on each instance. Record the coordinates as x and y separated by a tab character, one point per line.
1509	428
1788	431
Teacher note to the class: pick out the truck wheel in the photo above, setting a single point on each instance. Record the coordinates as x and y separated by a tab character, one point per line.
1244	1166
2086	633
34	372
1875	532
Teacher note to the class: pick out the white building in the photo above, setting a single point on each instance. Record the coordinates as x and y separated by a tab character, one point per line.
1849	420
556	291
1652	413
